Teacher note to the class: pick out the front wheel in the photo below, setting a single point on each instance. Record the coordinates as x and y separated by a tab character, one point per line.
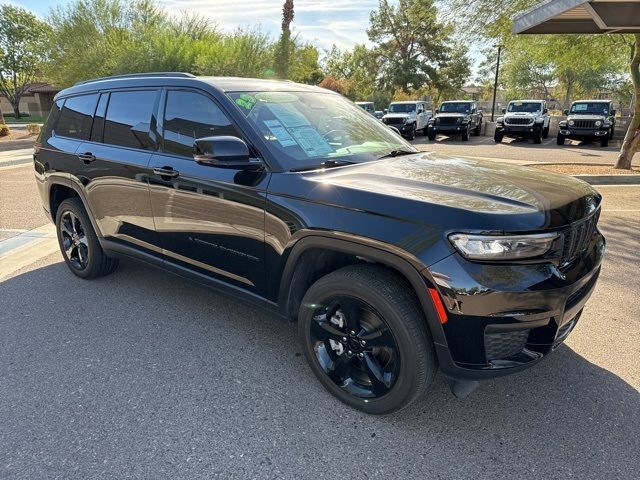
498	136
478	129
431	136
364	336
604	141
545	132
412	133
465	135
537	136
79	243
560	139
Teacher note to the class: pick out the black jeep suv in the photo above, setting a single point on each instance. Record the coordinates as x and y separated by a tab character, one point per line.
457	117
588	120
393	262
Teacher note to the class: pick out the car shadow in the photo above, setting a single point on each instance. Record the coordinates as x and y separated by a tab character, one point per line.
150	357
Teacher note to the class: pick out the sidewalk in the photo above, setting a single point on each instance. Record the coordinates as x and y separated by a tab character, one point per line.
16	157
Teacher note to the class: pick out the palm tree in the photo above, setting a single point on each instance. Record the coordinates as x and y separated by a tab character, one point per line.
283	49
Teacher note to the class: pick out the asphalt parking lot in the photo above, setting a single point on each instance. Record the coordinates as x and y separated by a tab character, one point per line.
142	374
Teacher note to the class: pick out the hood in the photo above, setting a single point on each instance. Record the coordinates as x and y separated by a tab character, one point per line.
398	115
452	114
455	193
522	114
586	116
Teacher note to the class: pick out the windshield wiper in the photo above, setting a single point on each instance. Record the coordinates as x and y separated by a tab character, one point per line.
325	164
396	153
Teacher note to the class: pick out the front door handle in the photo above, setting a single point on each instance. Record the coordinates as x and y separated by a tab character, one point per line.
87	157
166	172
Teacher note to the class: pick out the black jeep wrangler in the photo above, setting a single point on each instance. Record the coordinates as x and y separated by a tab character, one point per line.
393	262
588	120
456	117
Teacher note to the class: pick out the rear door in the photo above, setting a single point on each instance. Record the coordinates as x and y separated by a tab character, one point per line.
115	167
209	219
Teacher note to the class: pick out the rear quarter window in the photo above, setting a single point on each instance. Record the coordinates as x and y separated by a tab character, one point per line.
76	117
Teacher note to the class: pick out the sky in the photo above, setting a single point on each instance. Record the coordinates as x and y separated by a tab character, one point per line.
321	22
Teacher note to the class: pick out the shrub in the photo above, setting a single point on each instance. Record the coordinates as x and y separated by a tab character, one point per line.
33	128
4	130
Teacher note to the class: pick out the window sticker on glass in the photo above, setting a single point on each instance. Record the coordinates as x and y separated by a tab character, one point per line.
313	144
580	107
246	101
288	115
280	133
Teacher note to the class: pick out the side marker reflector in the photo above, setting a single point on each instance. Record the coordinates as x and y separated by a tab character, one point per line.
437	303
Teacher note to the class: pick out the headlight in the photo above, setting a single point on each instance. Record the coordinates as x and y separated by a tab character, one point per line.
498	247
598	123
539	120
571	122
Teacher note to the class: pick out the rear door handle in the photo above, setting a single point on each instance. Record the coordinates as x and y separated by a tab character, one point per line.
87	157
166	172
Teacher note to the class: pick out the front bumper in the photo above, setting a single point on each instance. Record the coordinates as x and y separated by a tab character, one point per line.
505	318
457	128
402	127
578	133
519	130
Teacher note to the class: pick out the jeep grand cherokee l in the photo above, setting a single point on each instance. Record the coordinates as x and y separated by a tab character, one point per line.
393	262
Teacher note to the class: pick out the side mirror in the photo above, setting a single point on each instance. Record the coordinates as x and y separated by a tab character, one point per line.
222	151
565	113
545	111
504	110
386	110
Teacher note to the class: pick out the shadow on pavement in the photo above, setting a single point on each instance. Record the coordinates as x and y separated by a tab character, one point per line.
144	374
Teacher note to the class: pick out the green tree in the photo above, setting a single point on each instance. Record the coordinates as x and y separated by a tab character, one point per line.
284	46
631	142
414	48
22	52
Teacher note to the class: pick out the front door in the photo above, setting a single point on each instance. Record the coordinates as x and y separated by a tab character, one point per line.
209	219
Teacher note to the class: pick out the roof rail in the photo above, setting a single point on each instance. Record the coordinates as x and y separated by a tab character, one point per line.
138	75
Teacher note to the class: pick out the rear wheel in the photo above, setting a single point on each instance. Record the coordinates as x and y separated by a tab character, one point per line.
560	139
79	243
365	339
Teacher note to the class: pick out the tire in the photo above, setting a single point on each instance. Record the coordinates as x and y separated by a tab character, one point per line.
432	136
477	130
604	141
611	134
498	136
393	303
412	133
79	243
537	136
545	132
465	135
560	139
425	131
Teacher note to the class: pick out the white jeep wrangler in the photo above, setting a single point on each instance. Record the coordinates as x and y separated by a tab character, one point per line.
408	117
523	119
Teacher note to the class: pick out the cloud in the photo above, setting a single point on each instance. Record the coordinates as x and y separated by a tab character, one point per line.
321	22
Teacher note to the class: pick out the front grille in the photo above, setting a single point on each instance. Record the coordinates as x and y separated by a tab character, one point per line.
447	120
584	124
504	344
518	121
577	238
394	121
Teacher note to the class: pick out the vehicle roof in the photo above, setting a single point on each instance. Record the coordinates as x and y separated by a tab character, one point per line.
410	101
365	102
223	84
592	101
459	101
528	100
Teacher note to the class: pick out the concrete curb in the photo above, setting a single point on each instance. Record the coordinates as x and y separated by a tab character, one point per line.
610	179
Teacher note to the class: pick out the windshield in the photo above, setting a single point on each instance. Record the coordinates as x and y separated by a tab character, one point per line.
457	107
590	108
402	108
308	128
528	107
367	106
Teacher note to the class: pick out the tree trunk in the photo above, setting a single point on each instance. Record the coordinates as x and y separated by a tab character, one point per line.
632	138
16	110
1	118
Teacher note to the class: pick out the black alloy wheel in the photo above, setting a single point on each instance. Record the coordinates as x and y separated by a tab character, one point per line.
355	347
364	336
75	244
79	243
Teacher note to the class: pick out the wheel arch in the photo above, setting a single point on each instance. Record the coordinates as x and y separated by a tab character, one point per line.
60	191
299	274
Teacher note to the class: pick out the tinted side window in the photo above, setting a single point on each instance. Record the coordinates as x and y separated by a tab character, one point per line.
52	119
128	120
98	119
190	115
76	116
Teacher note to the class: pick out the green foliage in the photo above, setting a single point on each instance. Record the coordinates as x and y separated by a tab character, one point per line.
22	51
94	38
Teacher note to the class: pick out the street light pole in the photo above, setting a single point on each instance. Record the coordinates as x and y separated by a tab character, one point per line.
495	83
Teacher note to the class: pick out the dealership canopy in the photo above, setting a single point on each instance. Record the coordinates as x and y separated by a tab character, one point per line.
580	16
